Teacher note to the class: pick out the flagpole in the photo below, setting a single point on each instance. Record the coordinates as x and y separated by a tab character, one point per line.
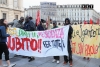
48	22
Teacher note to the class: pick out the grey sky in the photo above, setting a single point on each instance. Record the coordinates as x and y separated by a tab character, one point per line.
96	3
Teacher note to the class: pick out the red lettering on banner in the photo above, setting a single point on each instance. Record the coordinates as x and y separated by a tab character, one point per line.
36	45
74	47
25	40
81	48
13	42
39	45
17	44
23	43
91	49
12	47
96	49
33	44
86	49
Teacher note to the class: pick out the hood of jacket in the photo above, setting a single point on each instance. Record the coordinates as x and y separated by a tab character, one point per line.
67	19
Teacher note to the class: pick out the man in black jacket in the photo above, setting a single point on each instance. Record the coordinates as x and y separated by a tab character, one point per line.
29	26
66	58
40	27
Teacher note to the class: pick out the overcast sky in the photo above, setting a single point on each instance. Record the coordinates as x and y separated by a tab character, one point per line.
96	3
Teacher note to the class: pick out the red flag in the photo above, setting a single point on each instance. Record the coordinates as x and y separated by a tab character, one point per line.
47	23
91	22
85	22
38	18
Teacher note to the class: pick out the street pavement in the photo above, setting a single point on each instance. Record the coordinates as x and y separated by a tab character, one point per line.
47	62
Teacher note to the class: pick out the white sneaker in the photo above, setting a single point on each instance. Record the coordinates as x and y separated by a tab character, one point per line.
58	62
11	65
53	60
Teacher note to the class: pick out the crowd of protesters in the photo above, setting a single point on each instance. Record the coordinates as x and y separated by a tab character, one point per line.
28	24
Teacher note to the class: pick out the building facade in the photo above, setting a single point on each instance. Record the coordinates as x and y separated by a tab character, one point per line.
11	9
76	13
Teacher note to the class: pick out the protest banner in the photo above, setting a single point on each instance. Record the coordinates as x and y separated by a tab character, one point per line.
38	43
86	40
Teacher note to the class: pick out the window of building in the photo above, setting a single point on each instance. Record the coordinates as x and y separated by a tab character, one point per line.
67	6
88	14
72	10
75	14
75	6
61	6
15	3
57	6
4	15
79	5
4	1
70	6
16	17
0	1
74	18
78	14
78	19
81	19
65	14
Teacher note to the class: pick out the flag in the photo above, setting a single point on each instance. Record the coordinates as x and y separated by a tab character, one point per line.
91	22
38	18
47	23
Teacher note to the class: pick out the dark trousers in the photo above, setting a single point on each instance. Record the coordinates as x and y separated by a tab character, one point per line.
4	48
69	57
56	57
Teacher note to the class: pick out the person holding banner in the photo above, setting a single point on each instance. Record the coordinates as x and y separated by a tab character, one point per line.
50	24
66	59
3	45
34	23
40	26
29	26
56	58
17	23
